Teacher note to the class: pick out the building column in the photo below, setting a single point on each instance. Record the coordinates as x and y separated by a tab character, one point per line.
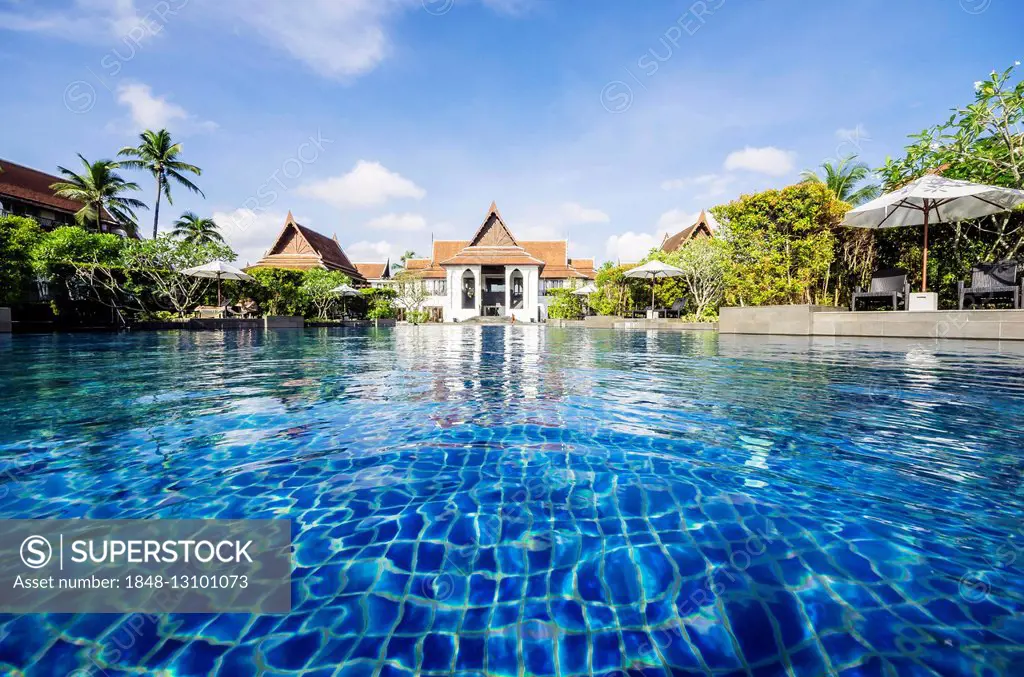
508	289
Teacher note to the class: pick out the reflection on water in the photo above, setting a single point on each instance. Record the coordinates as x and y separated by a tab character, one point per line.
528	500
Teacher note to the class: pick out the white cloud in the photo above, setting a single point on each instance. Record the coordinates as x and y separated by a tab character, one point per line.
147	111
768	160
573	214
248	232
675	220
708	185
335	38
404	222
379	251
83	20
367	185
630	247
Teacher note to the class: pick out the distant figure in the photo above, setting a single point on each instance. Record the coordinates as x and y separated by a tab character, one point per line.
513	318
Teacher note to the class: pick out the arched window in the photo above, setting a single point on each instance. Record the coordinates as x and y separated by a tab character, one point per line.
468	290
516	291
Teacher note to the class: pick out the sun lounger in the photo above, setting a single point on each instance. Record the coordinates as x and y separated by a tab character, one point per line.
992	281
888	285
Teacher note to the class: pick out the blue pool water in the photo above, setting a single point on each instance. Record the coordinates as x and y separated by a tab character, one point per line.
528	501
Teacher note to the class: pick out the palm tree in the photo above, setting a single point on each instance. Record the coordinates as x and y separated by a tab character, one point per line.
196	230
100	189
159	155
843	179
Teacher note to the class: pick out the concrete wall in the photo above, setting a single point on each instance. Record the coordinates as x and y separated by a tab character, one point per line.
808	320
773	320
284	322
5	320
963	324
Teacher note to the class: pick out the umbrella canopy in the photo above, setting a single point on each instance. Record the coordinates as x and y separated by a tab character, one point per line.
218	270
932	199
346	290
652	270
585	290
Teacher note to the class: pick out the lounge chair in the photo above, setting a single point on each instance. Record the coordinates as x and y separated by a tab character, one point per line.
210	312
992	280
888	284
677	309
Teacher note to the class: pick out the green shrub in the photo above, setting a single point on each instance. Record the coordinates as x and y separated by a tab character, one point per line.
18	237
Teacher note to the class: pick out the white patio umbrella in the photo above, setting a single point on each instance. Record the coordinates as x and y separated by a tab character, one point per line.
932	199
652	270
585	290
219	270
345	290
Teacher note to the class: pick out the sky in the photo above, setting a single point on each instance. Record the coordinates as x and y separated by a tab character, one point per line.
391	122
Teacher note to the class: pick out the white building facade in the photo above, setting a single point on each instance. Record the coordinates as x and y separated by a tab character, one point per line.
495	275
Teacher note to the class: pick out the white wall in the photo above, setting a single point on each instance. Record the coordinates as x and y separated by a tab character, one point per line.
454	312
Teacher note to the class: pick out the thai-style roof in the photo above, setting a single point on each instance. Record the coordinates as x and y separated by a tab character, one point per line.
33	186
705	226
300	248
374	271
494	244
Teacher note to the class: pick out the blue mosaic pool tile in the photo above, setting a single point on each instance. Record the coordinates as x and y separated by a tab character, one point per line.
548	520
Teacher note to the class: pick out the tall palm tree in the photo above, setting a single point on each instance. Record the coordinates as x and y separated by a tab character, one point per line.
197	230
99	188
846	179
159	155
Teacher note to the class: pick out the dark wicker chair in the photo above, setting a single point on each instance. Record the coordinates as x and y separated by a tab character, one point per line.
889	284
992	281
677	309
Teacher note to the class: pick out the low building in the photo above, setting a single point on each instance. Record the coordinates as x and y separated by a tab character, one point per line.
26	192
300	248
376	274
495	274
706	226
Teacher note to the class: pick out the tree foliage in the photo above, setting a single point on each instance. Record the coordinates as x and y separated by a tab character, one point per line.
410	293
850	180
99	188
277	291
564	305
981	142
196	229
18	237
158	154
705	264
380	303
155	266
783	245
616	294
318	287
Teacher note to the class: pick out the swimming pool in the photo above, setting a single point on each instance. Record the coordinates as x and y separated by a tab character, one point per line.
540	501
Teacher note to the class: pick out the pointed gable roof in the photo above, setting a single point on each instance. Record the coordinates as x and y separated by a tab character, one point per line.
300	248
493	232
704	227
493	244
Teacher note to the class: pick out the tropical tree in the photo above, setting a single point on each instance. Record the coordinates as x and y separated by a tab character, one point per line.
154	269
18	236
846	178
318	287
410	293
99	188
195	229
705	263
158	154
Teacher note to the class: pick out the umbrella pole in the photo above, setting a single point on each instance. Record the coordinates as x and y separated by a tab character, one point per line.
219	303
924	256
654	284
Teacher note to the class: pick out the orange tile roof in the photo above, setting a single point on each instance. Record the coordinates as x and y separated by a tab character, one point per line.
371	271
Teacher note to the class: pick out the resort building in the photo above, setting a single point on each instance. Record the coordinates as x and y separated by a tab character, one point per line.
26	192
300	248
376	274
706	226
493	274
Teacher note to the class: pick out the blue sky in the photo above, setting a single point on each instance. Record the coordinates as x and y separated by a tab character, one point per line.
607	122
